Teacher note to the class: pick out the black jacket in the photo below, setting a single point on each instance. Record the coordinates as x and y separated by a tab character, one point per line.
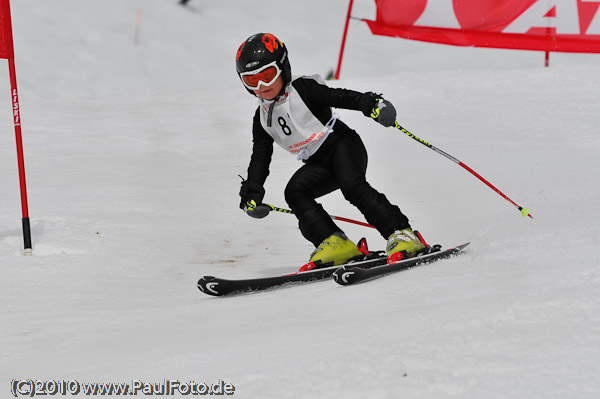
319	99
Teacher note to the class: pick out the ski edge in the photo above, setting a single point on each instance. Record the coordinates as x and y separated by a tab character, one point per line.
209	284
347	275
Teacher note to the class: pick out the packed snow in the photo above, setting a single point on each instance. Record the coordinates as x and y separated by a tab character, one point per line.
134	136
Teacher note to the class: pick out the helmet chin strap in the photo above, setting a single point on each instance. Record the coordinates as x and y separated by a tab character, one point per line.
270	114
272	105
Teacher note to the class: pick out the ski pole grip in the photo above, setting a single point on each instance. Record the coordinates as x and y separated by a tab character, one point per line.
260	211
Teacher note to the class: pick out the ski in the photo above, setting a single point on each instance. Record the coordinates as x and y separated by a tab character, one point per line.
219	287
348	274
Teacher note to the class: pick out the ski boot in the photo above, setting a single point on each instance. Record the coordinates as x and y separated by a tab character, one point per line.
335	250
404	244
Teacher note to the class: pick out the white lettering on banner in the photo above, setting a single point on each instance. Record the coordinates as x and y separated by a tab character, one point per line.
594	28
566	20
438	13
441	14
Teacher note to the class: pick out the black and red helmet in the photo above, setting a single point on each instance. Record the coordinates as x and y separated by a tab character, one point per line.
260	50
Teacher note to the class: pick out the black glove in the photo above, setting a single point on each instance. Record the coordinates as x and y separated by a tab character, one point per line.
251	194
376	107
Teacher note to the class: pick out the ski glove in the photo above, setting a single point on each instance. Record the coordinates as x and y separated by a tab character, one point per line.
376	107
251	194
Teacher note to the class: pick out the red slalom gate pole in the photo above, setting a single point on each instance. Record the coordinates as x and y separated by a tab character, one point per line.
266	208
339	66
7	51
20	157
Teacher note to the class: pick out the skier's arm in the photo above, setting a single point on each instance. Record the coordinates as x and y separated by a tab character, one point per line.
325	96
262	151
252	191
371	104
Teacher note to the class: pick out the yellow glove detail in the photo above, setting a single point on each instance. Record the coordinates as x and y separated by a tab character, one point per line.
375	113
251	205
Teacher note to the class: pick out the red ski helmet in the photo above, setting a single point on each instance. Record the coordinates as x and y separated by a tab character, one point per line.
259	52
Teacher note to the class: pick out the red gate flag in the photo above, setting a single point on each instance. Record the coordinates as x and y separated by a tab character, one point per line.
6	41
7	51
545	25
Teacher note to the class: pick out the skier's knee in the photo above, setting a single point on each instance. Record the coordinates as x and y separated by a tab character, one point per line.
294	193
355	190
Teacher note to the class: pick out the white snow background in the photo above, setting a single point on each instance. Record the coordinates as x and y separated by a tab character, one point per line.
132	155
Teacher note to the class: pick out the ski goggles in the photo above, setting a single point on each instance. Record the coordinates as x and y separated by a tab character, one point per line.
266	76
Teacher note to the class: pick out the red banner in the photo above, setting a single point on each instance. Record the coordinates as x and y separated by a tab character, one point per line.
546	25
6	40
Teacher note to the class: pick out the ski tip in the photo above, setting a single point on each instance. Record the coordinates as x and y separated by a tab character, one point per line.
461	247
207	285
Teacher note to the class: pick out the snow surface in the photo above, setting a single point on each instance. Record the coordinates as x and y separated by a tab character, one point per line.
132	156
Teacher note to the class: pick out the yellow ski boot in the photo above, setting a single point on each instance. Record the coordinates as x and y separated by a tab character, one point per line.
403	244
335	250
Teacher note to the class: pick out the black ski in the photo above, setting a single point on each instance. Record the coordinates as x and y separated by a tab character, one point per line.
348	274
218	287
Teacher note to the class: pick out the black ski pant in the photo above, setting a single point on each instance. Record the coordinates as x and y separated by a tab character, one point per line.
339	164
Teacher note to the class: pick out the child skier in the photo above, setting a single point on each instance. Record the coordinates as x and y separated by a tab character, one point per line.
295	113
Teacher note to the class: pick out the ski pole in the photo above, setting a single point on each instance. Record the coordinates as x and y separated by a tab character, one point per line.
524	211
263	209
